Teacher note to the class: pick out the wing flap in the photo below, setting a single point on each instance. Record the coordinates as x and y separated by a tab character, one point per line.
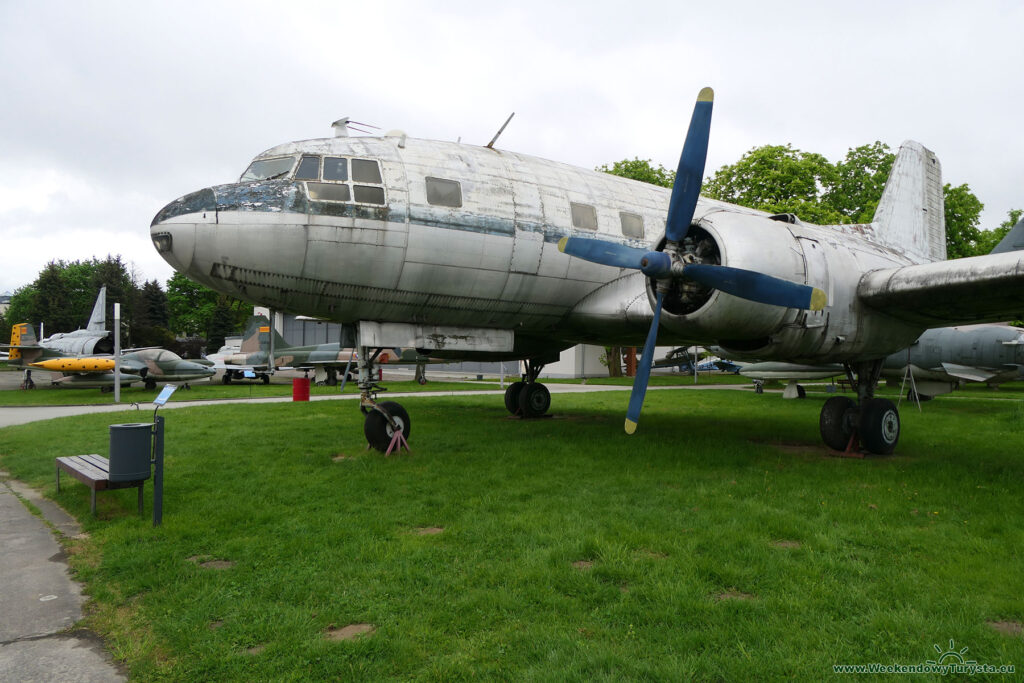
963	291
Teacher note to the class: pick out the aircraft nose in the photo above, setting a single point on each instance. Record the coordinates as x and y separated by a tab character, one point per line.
173	227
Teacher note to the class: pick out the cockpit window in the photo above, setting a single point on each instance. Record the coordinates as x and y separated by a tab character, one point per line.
336	185
265	169
309	169
365	171
335	168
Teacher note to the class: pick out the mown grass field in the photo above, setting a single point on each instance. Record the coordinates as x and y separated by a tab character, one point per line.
721	542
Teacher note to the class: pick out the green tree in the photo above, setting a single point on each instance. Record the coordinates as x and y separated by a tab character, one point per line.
778	179
189	306
21	310
963	214
859	180
642	170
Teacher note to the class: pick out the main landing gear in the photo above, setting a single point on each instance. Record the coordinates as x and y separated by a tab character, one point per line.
874	422
387	424
528	397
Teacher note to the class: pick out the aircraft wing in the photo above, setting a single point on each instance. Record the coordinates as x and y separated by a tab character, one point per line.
970	290
968	372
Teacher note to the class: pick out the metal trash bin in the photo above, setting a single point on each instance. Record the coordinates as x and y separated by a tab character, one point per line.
130	451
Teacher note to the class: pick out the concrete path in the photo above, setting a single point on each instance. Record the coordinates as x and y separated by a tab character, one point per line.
39	603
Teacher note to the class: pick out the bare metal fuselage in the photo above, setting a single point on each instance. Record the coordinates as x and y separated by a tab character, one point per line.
493	262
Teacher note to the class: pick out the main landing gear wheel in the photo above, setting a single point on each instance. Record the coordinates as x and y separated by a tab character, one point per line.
512	397
378	430
837	422
534	400
879	426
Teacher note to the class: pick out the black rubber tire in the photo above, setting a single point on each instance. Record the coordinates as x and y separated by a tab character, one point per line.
332	377
879	426
378	432
919	397
265	379
225	378
836	428
534	400
422	380
150	384
512	397
801	392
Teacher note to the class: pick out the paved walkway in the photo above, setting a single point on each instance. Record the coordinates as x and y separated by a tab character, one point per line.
39	603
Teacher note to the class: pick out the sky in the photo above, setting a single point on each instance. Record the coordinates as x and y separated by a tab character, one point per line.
110	110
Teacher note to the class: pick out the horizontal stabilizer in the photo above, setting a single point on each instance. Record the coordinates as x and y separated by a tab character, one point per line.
958	292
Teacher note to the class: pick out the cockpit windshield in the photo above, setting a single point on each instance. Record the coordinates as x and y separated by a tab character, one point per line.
267	169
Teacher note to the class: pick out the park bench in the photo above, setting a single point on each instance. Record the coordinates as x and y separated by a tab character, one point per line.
94	471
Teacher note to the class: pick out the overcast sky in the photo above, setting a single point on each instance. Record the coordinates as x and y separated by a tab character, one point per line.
110	110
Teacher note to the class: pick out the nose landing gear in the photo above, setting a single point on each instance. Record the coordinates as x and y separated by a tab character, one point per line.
387	425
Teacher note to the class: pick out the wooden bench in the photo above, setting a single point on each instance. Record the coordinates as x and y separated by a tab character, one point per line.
94	471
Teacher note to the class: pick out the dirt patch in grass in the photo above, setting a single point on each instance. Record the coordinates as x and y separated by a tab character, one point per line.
786	544
341	457
583	565
255	650
428	530
205	563
733	594
349	632
214	625
1007	628
652	554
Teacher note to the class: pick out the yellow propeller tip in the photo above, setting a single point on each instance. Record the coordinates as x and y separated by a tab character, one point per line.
561	244
818	299
630	426
706	95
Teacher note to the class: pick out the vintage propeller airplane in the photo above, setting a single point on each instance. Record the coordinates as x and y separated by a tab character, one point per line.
451	249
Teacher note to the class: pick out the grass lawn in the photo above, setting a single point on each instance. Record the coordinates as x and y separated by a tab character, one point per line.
721	542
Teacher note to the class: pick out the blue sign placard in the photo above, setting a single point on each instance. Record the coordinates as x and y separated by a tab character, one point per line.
165	394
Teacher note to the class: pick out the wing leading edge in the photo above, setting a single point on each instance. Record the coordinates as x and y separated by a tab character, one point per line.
959	292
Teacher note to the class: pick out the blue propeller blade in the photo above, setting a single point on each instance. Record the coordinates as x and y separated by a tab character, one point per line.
643	371
759	287
690	173
603	252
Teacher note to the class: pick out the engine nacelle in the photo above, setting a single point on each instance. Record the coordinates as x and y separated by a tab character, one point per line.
742	241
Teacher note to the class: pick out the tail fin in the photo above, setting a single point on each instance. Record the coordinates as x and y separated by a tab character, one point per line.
98	319
257	336
22	335
910	215
1012	241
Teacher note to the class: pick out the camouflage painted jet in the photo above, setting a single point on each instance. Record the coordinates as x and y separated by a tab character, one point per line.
324	359
469	252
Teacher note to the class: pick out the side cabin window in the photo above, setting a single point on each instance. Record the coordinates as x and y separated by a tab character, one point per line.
632	224
441	192
363	185
584	216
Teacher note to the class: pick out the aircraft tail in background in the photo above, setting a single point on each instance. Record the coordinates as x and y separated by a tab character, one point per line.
910	217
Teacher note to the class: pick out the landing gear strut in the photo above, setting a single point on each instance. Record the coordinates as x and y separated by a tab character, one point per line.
384	420
528	397
874	422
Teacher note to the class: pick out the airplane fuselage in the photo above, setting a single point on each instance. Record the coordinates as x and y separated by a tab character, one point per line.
395	229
